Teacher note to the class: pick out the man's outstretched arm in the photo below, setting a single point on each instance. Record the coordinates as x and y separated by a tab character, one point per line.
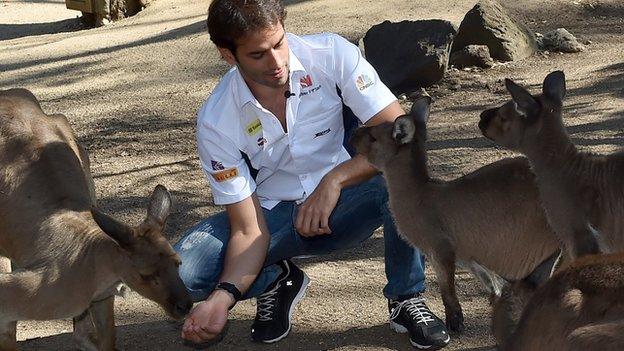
244	258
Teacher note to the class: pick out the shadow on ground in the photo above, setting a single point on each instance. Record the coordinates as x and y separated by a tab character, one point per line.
164	336
14	31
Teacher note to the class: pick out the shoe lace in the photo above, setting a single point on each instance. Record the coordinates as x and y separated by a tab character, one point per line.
416	308
266	304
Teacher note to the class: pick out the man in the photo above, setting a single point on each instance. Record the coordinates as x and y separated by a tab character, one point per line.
280	107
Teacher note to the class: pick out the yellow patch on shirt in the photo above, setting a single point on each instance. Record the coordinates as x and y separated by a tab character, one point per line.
254	127
225	175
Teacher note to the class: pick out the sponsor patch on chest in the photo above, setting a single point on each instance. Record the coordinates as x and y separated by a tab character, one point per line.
254	127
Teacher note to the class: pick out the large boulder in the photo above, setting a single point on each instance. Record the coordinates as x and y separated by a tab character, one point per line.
410	54
488	23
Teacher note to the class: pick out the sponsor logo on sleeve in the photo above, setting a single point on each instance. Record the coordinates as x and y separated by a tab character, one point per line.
216	165
225	174
254	127
363	82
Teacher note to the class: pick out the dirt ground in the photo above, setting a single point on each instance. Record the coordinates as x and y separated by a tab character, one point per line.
131	91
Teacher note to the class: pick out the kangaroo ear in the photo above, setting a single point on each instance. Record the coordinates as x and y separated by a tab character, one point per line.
554	86
117	230
545	269
403	130
525	103
159	205
421	107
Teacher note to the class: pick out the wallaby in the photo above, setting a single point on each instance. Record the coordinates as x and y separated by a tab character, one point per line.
580	308
582	193
490	217
67	254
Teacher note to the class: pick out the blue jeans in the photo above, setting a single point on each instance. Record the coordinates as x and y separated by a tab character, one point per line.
361	209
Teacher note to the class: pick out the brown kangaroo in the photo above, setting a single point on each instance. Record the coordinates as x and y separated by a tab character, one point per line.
490	217
582	193
68	255
580	308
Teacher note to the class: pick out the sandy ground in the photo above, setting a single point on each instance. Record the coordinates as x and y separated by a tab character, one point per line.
131	91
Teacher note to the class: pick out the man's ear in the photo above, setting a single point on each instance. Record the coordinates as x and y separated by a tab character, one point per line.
227	55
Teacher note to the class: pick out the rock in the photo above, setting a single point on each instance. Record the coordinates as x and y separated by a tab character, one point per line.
488	23
472	55
562	41
409	54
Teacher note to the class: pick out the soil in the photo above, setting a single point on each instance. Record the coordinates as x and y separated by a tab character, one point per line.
131	91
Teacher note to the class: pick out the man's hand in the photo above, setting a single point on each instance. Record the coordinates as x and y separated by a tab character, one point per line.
208	318
314	212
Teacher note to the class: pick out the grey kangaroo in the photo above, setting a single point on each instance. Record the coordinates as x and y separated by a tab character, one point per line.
67	255
582	193
489	218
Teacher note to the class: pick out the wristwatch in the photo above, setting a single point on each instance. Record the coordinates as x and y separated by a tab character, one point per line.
232	289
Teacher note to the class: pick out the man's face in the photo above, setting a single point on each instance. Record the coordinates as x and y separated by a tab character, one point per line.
262	57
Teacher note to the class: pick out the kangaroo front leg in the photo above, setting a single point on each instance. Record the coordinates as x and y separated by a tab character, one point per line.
7	336
7	329
84	332
444	267
102	313
94	330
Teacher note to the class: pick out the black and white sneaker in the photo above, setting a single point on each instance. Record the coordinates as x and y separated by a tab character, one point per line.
275	306
426	330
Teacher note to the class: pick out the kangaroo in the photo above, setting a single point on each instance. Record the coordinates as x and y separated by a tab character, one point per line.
582	193
490	217
68	255
580	308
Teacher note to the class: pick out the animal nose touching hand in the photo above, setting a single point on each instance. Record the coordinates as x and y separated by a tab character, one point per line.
68	256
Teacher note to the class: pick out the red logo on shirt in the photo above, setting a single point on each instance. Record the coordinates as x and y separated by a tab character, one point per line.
306	81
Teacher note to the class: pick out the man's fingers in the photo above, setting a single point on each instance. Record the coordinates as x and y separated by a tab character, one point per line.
299	222
325	224
203	334
303	221
315	221
198	338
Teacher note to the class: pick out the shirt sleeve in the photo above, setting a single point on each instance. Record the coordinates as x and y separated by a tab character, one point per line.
224	166
361	88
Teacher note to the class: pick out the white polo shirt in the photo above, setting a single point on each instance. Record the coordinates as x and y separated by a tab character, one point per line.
290	165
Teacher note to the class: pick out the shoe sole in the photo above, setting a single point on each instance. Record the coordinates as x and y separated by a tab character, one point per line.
402	330
300	295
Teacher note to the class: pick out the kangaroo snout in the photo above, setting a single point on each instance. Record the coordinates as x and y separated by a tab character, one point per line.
485	118
182	307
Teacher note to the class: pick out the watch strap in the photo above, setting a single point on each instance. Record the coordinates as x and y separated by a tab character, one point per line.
231	288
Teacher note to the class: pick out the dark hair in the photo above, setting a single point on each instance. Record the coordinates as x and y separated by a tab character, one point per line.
230	20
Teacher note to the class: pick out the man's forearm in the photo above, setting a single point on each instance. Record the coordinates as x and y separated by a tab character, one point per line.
247	248
353	171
